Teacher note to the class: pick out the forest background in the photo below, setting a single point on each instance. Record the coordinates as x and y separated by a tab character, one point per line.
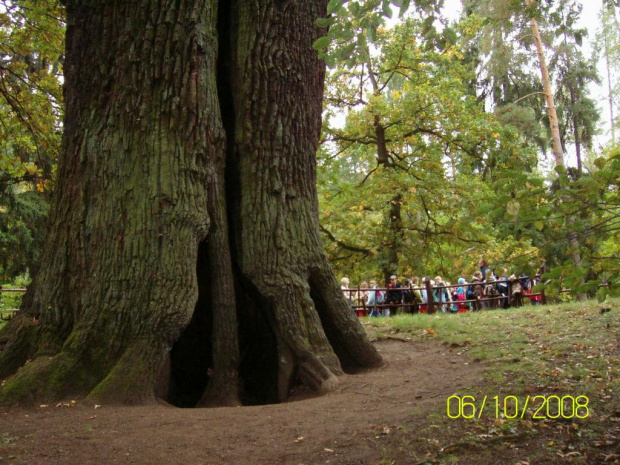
437	144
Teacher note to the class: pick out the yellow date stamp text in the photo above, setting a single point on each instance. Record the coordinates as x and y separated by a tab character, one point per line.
538	407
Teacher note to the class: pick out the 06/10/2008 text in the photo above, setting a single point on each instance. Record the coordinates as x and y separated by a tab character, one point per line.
537	407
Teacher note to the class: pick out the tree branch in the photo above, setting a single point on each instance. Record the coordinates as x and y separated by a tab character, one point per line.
344	245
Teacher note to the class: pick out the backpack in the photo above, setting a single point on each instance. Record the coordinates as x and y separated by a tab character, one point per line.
380	297
476	289
526	283
491	290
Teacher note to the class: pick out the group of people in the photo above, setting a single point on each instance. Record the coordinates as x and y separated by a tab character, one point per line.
485	290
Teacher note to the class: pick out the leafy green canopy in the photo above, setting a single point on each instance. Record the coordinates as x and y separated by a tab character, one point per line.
414	135
591	201
31	48
31	55
507	75
607	48
22	230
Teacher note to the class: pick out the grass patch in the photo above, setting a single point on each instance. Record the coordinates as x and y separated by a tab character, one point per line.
8	301
560	350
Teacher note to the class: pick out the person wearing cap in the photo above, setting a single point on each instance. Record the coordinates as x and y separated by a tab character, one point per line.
394	296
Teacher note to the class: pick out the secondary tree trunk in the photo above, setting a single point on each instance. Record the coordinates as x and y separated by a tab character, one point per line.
556	142
183	259
610	99
558	153
389	250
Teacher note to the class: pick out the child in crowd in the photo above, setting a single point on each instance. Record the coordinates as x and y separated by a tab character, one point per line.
372	298
517	291
417	293
491	292
477	291
461	295
441	295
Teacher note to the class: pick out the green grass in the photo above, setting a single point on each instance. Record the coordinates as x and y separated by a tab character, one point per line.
567	349
551	344
8	301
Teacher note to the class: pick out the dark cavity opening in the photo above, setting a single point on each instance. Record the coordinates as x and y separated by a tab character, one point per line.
224	77
191	355
258	369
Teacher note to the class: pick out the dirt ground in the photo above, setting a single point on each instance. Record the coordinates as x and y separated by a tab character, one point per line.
351	425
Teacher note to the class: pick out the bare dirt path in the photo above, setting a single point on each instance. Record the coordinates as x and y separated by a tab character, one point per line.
348	426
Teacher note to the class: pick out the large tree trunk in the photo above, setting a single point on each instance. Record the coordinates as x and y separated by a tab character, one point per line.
183	259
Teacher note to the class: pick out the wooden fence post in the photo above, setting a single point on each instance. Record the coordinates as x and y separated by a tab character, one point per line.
509	296
363	303
429	296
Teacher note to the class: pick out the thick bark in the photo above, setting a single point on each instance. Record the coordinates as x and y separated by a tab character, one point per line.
389	258
277	87
186	197
117	282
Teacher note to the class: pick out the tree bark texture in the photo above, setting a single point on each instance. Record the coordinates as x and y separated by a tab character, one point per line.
183	259
277	88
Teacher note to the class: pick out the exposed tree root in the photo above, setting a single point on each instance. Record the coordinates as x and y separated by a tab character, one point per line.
133	378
